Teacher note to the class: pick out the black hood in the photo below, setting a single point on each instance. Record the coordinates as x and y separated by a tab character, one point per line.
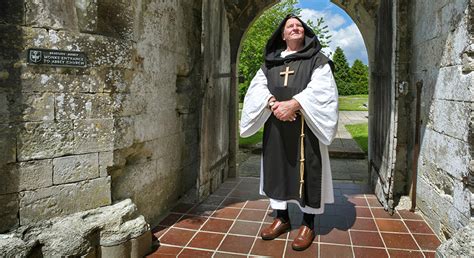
276	45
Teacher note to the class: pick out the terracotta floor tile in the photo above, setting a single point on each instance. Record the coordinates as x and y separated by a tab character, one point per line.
362	252
418	227
427	242
237	244
406	214
273	248
228	184
226	255
335	236
269	217
253	215
390	225
233	202
226	213
158	231
206	240
245	228
203	210
260	205
364	224
190	222
363	212
358	201
222	191
176	236
381	213
334	251
397	240
334	221
166	251
374	203
182	207
217	225
404	254
170	219
191	253
213	200
310	252
362	238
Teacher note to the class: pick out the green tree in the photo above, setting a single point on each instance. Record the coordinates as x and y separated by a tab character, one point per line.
342	72
359	73
253	46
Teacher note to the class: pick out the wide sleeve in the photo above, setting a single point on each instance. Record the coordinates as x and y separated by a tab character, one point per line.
254	112
319	102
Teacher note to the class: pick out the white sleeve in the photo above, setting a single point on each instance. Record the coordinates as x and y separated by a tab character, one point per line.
254	111
319	104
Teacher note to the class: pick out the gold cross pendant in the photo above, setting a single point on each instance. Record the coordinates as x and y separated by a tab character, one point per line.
286	73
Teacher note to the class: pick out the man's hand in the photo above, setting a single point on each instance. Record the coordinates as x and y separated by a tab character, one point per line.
286	110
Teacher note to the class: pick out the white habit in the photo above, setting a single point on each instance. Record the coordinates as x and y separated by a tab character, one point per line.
319	102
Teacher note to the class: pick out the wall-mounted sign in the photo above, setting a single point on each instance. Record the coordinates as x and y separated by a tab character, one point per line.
55	57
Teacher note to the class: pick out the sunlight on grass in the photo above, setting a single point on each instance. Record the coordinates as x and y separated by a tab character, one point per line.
252	140
360	133
353	103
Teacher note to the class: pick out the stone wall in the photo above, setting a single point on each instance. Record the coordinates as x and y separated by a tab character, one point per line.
126	126
439	40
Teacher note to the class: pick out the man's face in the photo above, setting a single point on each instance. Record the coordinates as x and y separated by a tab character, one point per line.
294	30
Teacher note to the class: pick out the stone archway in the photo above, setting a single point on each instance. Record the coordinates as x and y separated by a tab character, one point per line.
374	21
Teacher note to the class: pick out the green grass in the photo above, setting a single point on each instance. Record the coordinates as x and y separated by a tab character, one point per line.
360	133
252	140
353	102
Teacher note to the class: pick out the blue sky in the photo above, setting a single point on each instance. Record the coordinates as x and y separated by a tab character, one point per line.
345	33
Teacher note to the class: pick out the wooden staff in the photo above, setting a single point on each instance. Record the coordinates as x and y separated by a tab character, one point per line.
302	156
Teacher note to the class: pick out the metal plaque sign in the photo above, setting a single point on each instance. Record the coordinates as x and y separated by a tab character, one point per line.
53	57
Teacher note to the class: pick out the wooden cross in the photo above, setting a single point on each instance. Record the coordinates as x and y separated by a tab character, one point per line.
286	73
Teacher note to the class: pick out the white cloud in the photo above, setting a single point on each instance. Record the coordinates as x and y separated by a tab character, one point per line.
350	40
346	37
333	20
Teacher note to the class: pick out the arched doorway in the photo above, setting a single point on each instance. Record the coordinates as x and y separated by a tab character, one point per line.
375	20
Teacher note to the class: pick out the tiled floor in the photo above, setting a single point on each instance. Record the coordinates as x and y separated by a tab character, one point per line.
228	224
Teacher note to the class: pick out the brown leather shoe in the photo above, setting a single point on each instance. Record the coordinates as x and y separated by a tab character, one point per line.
304	239
275	229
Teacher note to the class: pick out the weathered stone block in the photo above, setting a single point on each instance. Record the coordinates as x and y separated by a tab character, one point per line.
45	140
460	245
448	117
75	168
81	234
23	176
106	159
57	14
32	81
87	15
11	42
35	107
448	153
8	143
124	127
117	18
4	108
129	104
66	199
12	11
93	135
8	212
83	106
461	84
